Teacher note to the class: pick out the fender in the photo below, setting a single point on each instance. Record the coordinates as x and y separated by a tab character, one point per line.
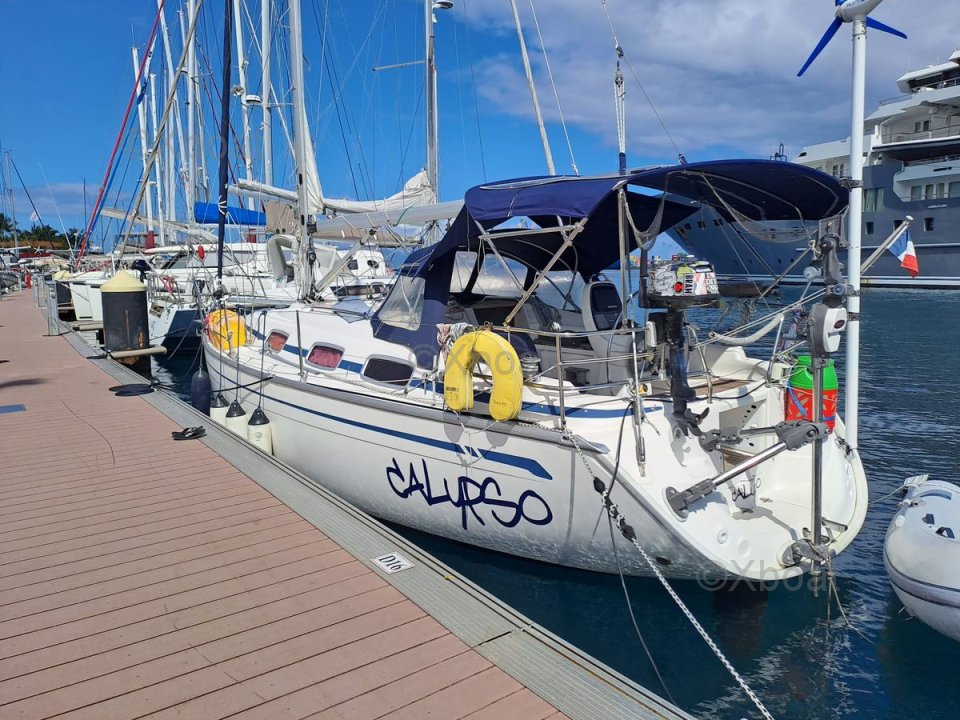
500	357
225	329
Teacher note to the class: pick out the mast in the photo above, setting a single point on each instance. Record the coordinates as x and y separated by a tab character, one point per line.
299	148
159	175
191	117
244	108
173	80
266	37
142	118
224	140
533	91
430	91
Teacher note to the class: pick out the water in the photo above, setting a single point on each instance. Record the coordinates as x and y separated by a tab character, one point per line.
796	651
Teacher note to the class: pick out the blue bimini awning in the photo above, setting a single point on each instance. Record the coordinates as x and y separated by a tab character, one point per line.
756	190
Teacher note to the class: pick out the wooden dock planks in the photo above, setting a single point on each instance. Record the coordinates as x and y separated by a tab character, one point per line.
142	577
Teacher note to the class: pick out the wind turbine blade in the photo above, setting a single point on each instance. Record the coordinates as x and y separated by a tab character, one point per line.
827	37
877	25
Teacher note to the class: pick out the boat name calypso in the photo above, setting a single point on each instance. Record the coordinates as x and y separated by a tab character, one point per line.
470	496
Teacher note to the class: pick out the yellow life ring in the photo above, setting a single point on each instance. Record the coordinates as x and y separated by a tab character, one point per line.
226	329
500	357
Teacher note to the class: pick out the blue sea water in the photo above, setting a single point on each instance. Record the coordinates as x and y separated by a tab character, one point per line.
793	645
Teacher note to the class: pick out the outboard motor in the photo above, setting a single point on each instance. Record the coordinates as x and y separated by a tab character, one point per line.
141	266
678	284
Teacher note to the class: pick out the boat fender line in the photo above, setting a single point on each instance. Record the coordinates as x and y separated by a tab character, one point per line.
226	330
618	519
747	339
498	354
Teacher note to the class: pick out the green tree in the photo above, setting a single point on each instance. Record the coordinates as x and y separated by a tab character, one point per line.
40	235
7	226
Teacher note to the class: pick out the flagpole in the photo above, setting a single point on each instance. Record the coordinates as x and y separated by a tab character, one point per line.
885	245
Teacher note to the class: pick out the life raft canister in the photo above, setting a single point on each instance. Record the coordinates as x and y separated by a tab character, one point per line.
498	354
799	392
226	330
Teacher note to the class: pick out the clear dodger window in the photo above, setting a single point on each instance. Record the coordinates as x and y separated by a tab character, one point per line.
404	305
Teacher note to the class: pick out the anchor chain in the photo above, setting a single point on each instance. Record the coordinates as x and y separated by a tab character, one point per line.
630	534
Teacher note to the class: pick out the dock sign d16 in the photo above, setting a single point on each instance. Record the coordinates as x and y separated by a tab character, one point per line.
392	562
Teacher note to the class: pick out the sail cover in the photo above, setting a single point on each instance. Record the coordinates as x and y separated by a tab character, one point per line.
204	212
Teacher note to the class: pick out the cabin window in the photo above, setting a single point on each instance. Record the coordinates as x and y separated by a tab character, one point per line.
938	193
404	304
916	192
928	192
701	224
276	340
953	189
325	356
716	222
897	223
869	226
386	370
928	224
352	264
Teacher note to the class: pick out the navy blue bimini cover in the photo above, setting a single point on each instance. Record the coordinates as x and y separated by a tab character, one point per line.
759	190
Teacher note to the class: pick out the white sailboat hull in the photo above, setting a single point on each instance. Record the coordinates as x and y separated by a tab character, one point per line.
520	490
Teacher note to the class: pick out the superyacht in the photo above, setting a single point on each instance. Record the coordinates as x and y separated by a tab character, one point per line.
911	170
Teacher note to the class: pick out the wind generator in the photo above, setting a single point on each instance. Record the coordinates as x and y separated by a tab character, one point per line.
857	13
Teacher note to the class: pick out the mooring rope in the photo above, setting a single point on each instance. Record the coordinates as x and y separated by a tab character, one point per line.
618	519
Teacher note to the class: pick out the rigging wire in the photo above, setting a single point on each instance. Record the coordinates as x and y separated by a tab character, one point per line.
133	95
553	84
623	582
626	60
473	82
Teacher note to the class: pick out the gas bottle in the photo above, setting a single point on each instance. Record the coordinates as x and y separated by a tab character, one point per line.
799	392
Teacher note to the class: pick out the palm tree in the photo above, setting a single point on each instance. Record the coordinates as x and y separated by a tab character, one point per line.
7	225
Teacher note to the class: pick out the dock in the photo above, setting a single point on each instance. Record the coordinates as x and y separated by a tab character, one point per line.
146	577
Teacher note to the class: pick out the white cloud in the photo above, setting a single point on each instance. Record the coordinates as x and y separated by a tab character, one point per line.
722	73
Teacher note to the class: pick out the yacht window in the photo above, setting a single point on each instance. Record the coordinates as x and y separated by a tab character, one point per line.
462	269
325	356
928	224
953	189
404	304
916	192
388	371
939	191
276	341
869	225
897	223
928	192
499	281
701	224
352	264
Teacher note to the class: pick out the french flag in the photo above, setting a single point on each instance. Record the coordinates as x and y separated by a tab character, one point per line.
902	247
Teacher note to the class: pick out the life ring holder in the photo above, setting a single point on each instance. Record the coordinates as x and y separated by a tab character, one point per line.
498	354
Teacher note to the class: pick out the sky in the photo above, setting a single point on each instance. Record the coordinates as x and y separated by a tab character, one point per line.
706	78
